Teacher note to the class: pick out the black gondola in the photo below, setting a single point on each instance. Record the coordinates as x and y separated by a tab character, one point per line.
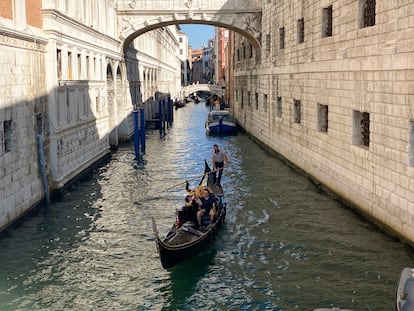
184	241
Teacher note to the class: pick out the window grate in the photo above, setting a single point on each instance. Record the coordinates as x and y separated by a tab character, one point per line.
369	13
365	128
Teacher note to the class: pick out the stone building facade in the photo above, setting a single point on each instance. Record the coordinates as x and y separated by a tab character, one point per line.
68	92
332	92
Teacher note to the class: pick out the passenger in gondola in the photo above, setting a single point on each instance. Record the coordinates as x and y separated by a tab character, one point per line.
207	208
189	211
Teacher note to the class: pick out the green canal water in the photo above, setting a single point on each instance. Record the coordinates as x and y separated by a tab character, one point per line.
284	246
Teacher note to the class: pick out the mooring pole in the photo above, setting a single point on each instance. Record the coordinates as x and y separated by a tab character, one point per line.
160	116
169	107
164	116
141	110
136	134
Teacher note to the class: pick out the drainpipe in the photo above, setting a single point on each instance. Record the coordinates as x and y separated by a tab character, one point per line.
42	162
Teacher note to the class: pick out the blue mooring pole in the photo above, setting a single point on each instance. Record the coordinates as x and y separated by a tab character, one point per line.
164	116
169	107
136	134
141	110
160	116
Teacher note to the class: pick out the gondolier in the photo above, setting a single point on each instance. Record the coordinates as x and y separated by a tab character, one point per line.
218	159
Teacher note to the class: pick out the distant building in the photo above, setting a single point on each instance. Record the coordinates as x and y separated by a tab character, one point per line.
222	38
208	64
197	63
184	57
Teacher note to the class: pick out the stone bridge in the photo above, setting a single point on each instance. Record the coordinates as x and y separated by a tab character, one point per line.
189	89
136	17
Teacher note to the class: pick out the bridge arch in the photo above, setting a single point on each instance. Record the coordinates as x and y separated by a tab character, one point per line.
196	87
138	17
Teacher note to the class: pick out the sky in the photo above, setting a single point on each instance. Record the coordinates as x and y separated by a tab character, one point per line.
198	34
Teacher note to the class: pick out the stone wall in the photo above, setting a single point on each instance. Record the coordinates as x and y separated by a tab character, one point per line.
23	114
338	106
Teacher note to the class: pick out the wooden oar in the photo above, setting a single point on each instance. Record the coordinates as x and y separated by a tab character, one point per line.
180	183
196	177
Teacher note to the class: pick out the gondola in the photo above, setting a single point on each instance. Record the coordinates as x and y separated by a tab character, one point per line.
184	241
405	291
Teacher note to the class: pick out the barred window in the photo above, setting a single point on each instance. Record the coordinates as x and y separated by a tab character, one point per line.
411	144
268	38
256	100
279	107
8	135
322	118
367	13
282	38
301	30
296	110
327	21
361	124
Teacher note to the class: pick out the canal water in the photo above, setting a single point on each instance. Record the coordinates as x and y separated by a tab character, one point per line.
285	245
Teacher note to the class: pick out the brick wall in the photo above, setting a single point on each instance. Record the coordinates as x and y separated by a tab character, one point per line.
6	9
34	13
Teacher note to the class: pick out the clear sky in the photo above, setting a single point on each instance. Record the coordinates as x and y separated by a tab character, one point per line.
198	34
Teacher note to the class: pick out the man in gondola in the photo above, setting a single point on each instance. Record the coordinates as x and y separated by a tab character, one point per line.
208	201
218	159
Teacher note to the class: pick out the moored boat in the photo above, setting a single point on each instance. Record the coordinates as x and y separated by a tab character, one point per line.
186	240
405	291
220	122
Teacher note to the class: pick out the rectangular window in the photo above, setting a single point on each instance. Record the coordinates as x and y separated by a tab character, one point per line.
327	22
279	107
59	63
248	99
265	102
242	99
79	63
251	50
88	75
322	118
360	128
301	30
8	135
282	38
411	144
367	13
70	77
296	111
268	41
256	100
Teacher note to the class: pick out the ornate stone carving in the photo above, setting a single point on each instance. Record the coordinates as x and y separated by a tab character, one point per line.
252	25
189	4
133	4
127	22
